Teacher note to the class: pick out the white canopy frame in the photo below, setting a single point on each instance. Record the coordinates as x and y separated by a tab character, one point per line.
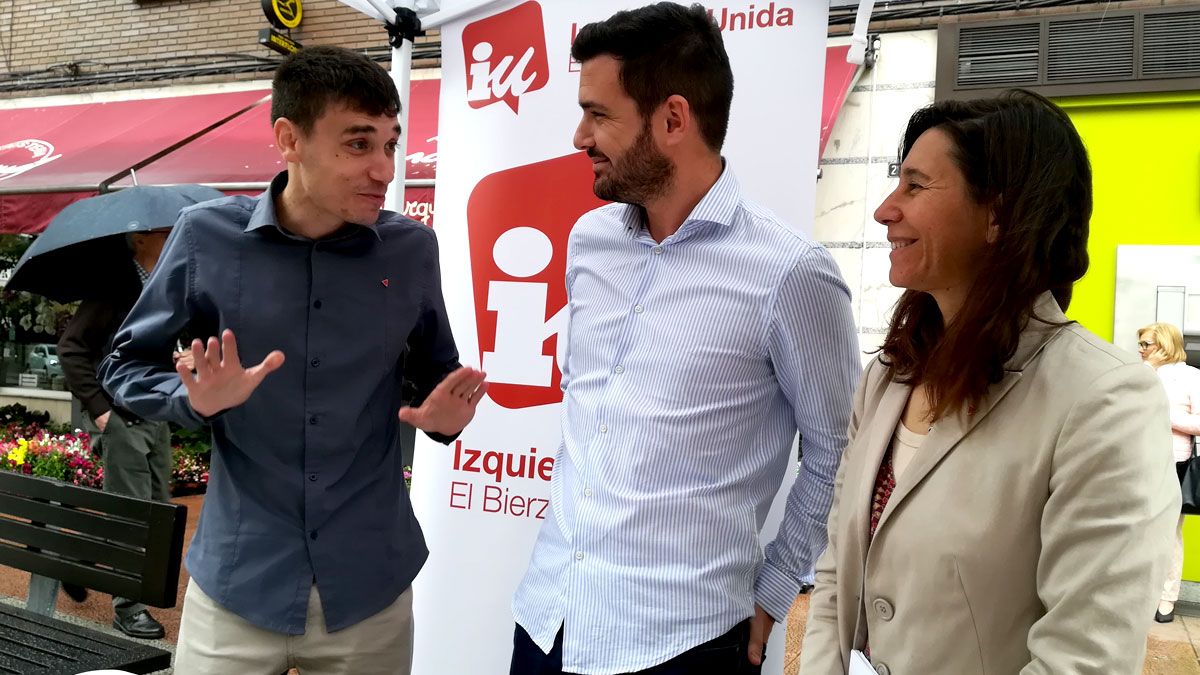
404	19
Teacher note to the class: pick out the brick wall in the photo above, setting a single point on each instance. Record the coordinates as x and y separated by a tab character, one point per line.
60	38
127	35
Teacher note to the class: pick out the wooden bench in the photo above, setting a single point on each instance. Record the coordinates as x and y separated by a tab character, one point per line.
105	542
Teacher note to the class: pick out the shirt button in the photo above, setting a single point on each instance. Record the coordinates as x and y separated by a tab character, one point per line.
316	304
316	362
637	309
579	555
657	250
604	428
312	477
312	420
312	535
587	492
618	370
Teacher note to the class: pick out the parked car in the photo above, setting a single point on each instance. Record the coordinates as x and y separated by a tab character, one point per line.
43	360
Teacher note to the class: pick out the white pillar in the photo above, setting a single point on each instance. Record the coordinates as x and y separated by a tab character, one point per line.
401	74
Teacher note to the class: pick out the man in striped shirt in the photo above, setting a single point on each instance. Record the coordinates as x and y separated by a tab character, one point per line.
703	334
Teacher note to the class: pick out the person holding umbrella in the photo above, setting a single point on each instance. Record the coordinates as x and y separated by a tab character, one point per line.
110	249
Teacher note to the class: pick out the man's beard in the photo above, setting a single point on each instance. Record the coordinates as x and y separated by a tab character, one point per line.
641	175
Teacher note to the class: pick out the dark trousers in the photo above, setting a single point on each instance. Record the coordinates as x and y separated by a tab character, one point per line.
725	655
137	463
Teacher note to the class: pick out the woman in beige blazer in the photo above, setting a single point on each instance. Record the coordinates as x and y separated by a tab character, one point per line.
1007	499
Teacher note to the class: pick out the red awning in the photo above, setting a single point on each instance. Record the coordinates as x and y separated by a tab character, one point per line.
31	213
242	151
90	143
840	77
53	155
77	147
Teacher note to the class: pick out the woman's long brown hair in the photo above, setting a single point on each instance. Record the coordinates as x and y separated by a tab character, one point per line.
1021	157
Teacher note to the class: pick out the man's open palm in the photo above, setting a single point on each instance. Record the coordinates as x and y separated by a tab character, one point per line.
220	382
451	405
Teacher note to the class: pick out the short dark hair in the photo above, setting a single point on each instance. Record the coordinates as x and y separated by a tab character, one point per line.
1022	158
312	79
666	49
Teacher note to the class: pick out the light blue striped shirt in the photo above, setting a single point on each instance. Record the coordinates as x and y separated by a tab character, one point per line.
690	365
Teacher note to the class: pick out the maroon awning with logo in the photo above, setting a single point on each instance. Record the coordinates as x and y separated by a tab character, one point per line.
55	155
51	156
243	149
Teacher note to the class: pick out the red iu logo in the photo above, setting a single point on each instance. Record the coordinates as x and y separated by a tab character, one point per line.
518	221
506	56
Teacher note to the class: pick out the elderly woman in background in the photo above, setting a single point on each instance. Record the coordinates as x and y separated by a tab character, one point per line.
1161	346
1006	500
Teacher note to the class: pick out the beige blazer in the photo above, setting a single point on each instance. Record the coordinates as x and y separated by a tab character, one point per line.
1030	538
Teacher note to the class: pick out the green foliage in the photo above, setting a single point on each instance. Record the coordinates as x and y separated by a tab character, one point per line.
50	464
12	247
25	317
192	441
18	415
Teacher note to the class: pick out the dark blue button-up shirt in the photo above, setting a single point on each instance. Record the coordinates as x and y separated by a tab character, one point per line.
306	483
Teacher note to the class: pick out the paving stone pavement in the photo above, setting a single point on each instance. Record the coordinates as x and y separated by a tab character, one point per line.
1171	648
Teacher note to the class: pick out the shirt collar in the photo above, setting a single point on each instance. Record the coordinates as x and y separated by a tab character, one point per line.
264	212
719	205
143	275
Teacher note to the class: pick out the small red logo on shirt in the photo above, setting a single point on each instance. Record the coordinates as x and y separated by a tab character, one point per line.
385	283
506	56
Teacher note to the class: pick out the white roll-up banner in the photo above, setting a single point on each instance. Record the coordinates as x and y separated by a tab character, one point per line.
510	186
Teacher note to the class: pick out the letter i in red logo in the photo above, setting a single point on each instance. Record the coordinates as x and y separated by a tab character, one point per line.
518	221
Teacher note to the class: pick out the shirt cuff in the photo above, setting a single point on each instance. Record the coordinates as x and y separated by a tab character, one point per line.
775	592
443	438
184	414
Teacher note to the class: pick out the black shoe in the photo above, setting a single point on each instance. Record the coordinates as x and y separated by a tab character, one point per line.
1164	618
75	592
139	625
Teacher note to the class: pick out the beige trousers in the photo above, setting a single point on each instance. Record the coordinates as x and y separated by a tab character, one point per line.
1175	571
215	641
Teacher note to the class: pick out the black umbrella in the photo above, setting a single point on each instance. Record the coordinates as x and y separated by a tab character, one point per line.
82	248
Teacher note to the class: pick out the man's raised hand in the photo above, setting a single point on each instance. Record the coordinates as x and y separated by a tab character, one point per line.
451	405
219	381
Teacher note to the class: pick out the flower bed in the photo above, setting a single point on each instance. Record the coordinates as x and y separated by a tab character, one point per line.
31	445
40	452
189	472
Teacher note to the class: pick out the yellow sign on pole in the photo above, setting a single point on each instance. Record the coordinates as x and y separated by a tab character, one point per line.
283	13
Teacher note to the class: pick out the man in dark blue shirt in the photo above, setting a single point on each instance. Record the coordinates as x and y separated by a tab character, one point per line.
307	544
